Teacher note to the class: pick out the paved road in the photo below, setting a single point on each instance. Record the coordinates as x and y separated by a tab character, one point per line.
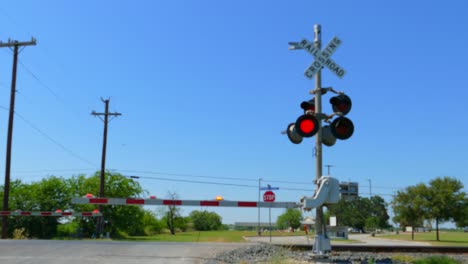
107	252
361	238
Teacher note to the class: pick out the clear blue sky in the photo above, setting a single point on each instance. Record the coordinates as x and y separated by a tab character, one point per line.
206	87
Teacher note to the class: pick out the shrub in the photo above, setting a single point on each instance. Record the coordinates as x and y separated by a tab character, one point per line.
20	233
436	260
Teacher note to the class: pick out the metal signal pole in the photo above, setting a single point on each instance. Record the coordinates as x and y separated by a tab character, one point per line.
319	228
6	193
106	114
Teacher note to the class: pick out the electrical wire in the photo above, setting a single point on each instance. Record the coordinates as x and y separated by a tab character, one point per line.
186	175
54	141
37	79
189	181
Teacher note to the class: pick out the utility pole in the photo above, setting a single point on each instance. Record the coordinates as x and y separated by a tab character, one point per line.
319	223
259	188
328	167
6	193
370	187
106	114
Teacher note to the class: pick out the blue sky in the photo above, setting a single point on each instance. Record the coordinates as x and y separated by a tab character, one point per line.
206	87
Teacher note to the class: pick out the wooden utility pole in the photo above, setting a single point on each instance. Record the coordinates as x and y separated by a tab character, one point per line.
106	114
6	192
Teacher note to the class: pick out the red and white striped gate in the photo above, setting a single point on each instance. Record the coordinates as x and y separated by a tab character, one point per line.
222	203
56	213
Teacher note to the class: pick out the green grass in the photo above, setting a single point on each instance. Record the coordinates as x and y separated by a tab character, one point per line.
196	236
218	236
436	260
446	238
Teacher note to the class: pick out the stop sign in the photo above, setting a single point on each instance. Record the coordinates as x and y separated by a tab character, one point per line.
269	196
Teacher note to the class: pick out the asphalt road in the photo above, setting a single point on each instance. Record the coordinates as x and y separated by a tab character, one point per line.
360	239
107	252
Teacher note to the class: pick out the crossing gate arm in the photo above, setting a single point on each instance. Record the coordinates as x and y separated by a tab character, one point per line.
223	203
41	213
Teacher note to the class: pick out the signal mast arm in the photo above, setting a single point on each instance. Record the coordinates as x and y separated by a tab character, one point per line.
328	192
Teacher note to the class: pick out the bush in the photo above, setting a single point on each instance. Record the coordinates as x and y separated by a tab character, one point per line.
20	233
436	260
67	230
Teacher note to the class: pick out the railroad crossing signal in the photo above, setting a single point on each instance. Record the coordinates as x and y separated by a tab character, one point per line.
322	57
307	125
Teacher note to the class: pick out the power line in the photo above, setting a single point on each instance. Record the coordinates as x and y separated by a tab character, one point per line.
50	138
56	170
187	175
37	79
190	181
54	141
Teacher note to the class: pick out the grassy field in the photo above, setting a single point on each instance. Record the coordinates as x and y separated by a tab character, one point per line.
195	236
209	236
446	238
218	236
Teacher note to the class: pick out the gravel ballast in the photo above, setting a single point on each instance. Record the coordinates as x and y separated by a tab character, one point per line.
267	253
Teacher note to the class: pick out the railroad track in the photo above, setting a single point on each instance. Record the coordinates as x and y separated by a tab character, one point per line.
388	249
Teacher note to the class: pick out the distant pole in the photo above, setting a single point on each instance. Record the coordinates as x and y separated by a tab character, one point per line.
6	193
106	115
370	187
328	166
258	223
269	215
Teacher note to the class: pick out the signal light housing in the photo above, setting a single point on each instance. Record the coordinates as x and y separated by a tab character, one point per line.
341	103
307	125
308	105
328	139
342	128
293	136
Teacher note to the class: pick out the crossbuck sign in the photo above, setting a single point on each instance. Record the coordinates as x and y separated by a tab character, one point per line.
322	57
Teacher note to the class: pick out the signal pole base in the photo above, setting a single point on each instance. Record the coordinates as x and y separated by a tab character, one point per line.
321	246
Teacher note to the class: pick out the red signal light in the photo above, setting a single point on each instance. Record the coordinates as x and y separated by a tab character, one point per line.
307	125
342	128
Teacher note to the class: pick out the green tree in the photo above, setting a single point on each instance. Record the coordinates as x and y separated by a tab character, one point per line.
290	218
409	207
49	194
172	215
351	213
378	212
52	193
461	214
204	220
361	213
443	199
151	223
127	219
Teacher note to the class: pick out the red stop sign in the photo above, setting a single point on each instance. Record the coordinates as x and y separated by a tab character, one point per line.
269	196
